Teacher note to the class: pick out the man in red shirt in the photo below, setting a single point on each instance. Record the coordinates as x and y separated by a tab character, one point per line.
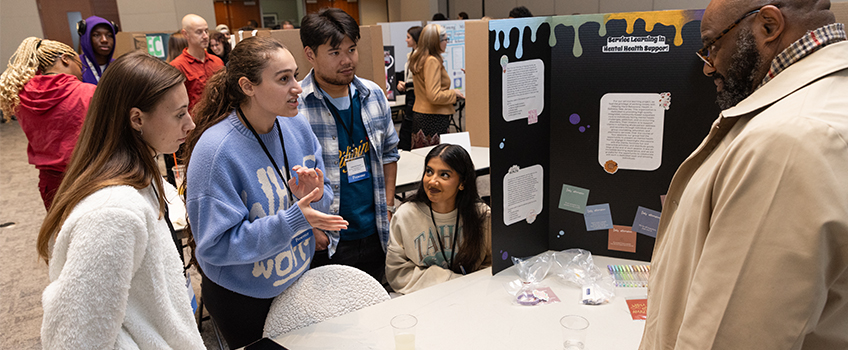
196	64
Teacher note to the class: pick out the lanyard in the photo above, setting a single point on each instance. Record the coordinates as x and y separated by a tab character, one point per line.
282	145
337	114
455	233
91	67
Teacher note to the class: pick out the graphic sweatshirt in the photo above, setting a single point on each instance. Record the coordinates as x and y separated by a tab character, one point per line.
251	239
414	260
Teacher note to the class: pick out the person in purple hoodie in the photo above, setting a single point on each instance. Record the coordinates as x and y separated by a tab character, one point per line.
97	41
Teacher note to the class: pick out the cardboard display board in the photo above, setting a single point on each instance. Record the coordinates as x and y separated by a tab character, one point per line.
590	116
371	65
155	43
477	82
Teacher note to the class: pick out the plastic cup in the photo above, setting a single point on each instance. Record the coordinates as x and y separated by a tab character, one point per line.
179	175
574	330
404	329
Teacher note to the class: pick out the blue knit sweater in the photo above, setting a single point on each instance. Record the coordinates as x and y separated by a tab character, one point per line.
250	239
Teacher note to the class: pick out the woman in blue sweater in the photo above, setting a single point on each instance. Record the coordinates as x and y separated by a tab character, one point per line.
254	187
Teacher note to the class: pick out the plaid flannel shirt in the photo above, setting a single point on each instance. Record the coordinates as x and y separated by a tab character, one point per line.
807	44
377	118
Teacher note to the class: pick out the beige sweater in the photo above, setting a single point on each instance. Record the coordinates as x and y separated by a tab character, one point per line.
433	93
413	259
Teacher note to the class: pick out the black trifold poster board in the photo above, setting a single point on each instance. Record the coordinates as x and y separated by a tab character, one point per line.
590	127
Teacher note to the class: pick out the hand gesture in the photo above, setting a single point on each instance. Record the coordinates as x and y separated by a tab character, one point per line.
317	219
459	94
401	86
306	181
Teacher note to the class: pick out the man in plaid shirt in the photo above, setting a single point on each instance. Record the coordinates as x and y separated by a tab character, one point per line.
352	120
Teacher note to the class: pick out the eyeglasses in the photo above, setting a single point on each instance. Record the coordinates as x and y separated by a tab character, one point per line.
704	52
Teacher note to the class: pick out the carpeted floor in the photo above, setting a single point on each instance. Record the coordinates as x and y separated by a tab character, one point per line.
22	275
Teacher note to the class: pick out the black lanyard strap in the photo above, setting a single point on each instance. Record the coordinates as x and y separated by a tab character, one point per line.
264	148
455	233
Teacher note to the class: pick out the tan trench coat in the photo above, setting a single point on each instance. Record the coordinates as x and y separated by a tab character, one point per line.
752	248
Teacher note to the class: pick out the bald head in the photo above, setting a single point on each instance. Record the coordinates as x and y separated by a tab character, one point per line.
191	20
744	36
799	16
196	32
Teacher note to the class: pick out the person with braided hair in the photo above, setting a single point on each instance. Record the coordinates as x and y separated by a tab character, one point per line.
42	87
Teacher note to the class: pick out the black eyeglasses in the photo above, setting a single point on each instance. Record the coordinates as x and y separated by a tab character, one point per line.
704	52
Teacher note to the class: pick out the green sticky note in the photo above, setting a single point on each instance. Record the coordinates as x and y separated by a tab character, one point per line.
574	199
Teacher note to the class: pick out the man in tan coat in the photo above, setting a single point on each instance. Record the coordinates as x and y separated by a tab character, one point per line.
752	249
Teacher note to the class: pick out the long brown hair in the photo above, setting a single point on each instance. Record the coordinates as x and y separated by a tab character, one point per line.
109	151
223	93
469	255
429	44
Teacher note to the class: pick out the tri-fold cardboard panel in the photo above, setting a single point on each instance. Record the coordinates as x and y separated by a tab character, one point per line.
370	48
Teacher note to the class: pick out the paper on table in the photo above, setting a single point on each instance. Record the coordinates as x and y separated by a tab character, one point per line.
458	138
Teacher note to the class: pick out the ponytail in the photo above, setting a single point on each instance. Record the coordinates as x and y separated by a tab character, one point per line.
223	94
32	56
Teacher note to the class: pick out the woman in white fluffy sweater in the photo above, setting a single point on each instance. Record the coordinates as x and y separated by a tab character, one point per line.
116	279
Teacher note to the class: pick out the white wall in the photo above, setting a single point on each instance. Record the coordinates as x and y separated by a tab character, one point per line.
161	15
18	21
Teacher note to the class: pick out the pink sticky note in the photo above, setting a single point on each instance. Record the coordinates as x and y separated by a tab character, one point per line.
532	117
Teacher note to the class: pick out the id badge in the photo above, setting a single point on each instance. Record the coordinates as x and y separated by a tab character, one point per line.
356	170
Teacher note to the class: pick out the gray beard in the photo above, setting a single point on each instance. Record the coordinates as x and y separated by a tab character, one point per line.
739	82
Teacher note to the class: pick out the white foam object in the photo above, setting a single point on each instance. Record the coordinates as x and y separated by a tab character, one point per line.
322	293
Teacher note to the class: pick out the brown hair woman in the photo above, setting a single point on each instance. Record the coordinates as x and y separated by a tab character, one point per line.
116	280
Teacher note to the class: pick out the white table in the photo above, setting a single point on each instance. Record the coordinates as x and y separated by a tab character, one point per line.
411	166
400	101
475	312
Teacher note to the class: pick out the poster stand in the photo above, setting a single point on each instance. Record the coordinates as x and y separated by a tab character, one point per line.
589	118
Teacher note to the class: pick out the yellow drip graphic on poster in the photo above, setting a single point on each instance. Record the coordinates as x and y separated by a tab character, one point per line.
676	19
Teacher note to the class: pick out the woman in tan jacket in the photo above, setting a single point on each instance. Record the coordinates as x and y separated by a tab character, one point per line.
434	97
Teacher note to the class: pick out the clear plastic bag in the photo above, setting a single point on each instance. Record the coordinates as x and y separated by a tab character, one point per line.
572	265
576	266
528	289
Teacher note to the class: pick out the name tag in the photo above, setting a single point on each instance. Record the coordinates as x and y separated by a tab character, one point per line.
356	170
